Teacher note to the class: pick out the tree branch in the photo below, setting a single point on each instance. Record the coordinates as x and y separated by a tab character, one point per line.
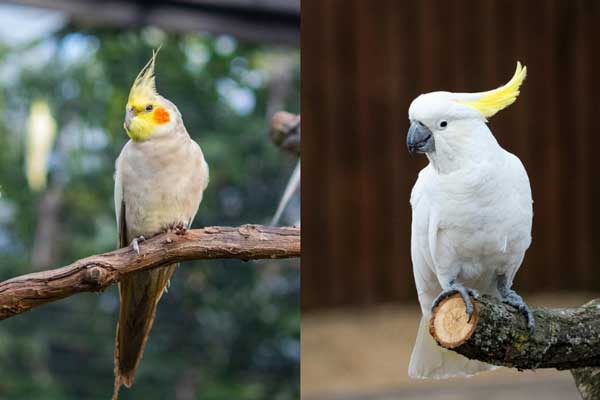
497	334
586	379
96	273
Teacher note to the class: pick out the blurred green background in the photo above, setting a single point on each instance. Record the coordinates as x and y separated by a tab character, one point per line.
226	329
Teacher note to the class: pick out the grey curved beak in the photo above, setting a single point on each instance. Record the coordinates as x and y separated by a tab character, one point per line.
128	116
419	138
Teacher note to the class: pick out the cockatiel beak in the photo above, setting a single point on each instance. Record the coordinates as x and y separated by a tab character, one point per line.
129	114
420	138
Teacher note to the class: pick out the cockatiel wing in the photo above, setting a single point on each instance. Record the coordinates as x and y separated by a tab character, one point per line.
204	178
120	208
139	295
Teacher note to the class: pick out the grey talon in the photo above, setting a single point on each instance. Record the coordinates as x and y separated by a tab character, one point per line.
511	298
465	294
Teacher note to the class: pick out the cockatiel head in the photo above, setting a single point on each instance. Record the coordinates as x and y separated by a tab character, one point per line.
451	127
147	114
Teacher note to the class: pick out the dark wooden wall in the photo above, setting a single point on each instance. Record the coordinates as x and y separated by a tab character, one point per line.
362	64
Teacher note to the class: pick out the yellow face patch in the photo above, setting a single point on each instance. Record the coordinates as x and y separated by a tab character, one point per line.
141	121
142	115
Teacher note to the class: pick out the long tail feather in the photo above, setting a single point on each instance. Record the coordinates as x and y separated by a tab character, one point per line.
140	294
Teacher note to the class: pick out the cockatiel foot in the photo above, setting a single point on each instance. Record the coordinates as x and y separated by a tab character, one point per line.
465	294
511	298
180	229
135	244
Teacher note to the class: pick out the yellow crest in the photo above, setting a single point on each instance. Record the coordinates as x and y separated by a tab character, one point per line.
144	86
490	102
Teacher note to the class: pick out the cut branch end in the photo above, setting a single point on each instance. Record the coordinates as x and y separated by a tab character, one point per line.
450	325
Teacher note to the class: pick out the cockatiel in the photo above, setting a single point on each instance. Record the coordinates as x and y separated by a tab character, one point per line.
159	180
471	214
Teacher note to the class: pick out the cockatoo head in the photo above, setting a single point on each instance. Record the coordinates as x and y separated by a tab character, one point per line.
147	114
450	123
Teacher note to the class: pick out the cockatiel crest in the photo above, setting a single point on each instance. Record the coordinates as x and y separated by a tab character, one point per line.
490	102
144	86
147	112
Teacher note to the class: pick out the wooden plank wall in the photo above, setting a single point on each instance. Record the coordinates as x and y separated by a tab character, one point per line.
362	64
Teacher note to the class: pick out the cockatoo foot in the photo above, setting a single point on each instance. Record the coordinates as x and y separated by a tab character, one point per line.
511	297
465	294
135	244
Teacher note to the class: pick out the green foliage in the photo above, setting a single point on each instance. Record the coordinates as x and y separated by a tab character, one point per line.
226	329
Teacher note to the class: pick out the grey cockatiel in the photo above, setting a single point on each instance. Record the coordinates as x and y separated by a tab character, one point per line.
472	214
159	179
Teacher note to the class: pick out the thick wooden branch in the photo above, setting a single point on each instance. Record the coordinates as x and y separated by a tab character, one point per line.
587	379
95	273
497	334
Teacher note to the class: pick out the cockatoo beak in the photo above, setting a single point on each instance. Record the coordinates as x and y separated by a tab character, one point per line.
420	138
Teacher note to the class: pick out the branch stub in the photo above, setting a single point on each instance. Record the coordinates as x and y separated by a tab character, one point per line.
449	324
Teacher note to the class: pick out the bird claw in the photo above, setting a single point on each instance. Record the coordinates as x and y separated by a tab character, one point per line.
178	229
465	294
135	244
513	299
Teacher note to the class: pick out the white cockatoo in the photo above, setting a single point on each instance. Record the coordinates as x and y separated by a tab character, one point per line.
471	214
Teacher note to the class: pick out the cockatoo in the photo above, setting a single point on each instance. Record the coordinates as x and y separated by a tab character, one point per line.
159	180
471	214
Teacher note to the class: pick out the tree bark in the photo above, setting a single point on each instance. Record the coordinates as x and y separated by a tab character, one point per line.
96	273
497	334
587	379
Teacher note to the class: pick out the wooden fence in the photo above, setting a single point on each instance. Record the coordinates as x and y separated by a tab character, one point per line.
362	64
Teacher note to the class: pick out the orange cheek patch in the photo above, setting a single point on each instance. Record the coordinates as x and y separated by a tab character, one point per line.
161	116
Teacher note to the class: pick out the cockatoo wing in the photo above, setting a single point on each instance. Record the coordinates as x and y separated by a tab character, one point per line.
523	193
428	360
422	220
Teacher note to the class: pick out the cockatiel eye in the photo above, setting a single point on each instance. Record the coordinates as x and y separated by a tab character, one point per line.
149	107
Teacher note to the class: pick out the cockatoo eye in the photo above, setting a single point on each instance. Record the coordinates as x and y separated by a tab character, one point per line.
149	107
442	124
